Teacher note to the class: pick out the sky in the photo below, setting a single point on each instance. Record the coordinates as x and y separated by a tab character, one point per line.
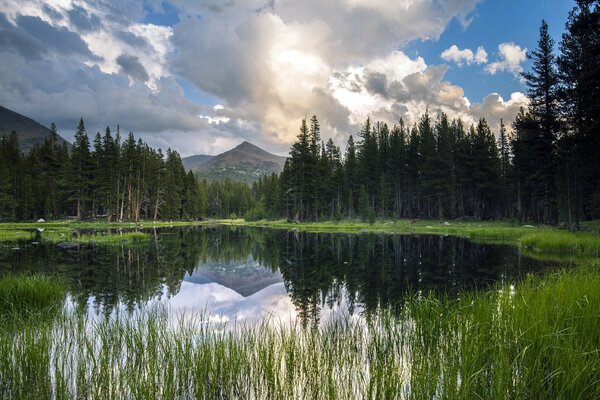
201	76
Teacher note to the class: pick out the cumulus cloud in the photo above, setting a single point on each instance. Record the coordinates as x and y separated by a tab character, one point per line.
268	64
511	58
131	66
465	56
273	62
82	19
397	86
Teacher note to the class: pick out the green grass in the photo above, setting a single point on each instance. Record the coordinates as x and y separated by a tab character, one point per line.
62	234
27	296
539	340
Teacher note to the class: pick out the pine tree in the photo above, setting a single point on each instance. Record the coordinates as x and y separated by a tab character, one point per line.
398	176
542	83
504	153
79	174
352	186
579	71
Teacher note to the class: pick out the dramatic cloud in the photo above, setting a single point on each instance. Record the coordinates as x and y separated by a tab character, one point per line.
466	56
400	87
511	58
274	63
265	64
83	20
131	66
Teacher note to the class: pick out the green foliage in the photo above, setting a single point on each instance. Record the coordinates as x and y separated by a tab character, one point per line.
24	296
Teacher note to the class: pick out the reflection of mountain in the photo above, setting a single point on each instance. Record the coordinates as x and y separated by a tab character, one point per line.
246	278
224	304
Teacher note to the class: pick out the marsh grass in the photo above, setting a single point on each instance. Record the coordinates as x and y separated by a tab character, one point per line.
23	297
580	244
58	235
537	340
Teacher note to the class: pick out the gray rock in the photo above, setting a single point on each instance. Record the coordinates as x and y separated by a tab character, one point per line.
67	245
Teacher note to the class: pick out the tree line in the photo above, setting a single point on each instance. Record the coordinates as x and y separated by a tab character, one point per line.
116	179
547	170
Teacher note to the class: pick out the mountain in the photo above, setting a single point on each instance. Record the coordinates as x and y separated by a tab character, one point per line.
28	131
194	162
246	162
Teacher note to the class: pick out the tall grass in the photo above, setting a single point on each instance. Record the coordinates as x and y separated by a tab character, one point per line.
555	242
536	341
26	296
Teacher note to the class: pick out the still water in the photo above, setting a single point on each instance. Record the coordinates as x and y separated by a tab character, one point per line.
248	274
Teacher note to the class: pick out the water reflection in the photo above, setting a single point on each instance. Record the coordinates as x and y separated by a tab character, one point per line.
241	273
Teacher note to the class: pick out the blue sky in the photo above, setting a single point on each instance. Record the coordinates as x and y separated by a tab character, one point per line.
495	22
201	76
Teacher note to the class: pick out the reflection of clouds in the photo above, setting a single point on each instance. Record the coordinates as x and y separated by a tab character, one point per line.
221	304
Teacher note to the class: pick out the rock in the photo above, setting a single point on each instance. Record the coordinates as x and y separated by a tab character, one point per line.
40	229
67	245
41	220
429	227
528	226
446	223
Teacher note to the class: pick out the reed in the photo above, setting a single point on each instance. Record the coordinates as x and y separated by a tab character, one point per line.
537	340
26	296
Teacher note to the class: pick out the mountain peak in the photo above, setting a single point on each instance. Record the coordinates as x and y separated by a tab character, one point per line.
245	162
248	146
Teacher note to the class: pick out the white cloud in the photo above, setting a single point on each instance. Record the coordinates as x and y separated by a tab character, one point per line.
465	56
274	64
398	86
511	58
267	64
481	56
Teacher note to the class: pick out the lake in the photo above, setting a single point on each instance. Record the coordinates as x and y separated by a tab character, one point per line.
248	274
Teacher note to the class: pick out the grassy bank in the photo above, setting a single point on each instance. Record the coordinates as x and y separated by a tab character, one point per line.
538	340
537	241
84	232
74	236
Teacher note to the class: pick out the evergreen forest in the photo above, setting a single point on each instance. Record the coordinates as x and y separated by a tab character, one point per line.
543	167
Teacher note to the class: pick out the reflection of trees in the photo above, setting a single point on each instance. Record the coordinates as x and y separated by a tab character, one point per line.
114	273
376	271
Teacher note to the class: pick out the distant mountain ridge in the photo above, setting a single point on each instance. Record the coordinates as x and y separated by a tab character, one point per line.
28	131
194	162
245	162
